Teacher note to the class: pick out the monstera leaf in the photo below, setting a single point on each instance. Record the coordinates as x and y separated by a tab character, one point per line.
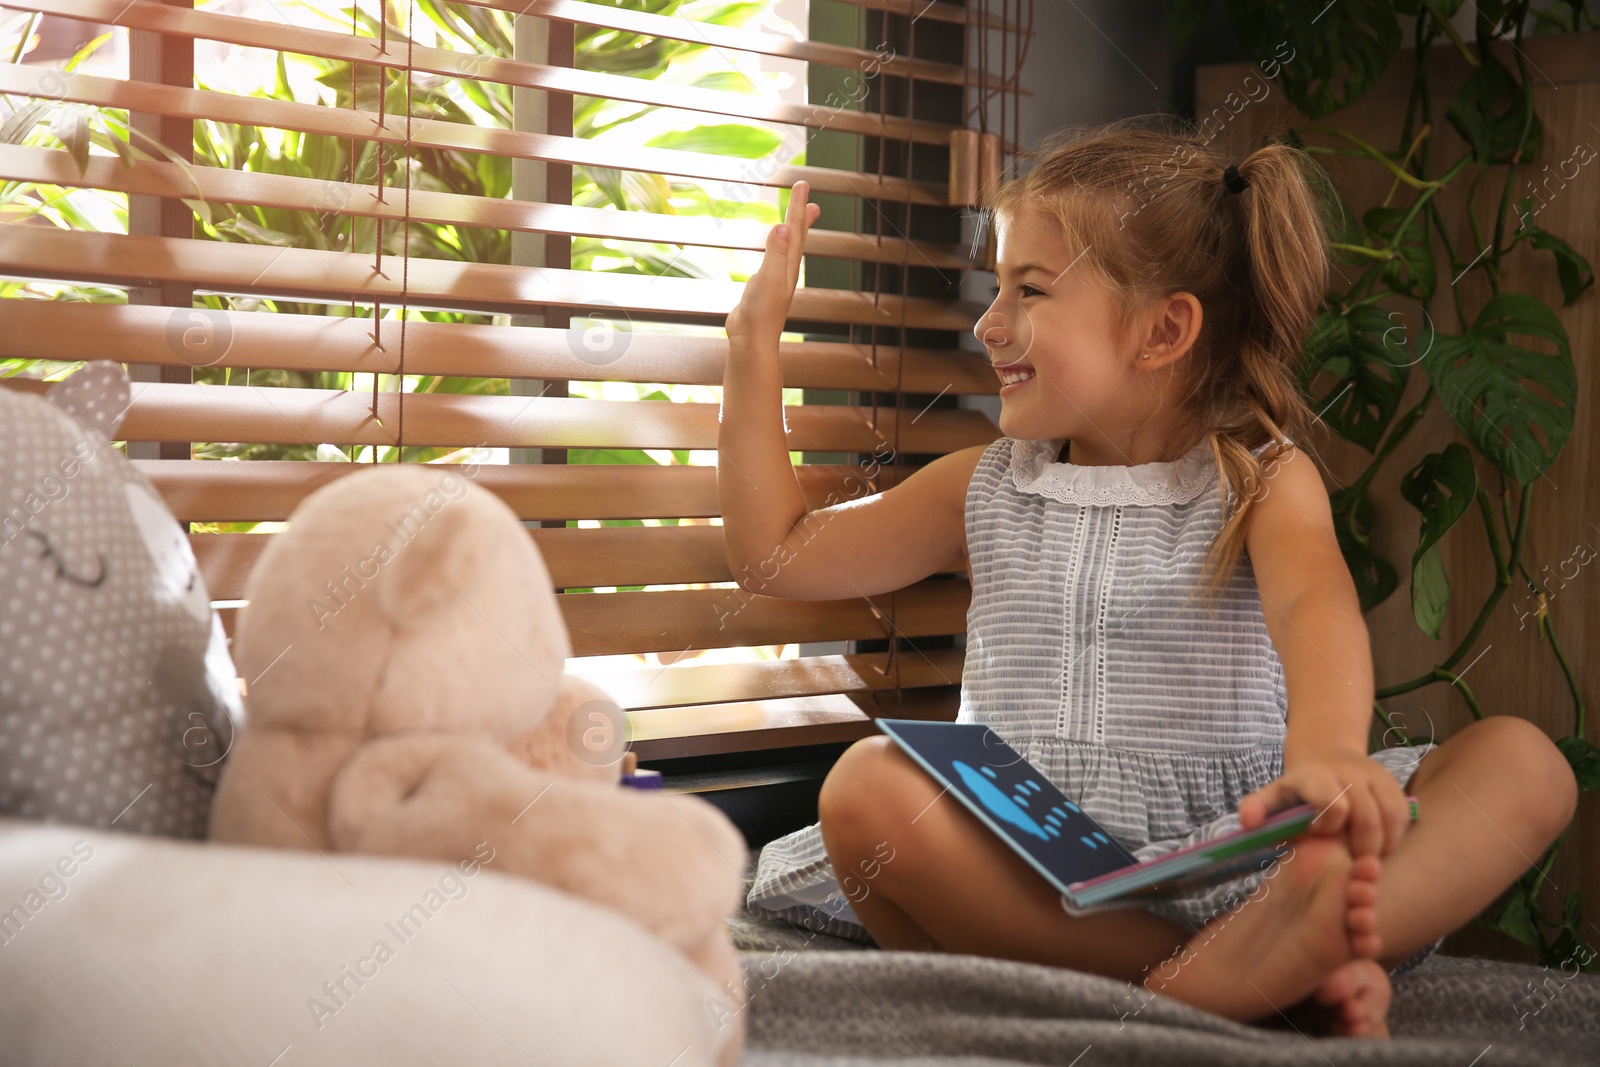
1574	271
1489	111
1338	52
1569	944
1413	273
1520	919
1375	577
1442	487
1514	403
1585	761
1496	17
1364	351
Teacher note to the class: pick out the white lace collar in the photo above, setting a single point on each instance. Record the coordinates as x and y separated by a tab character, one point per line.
1034	470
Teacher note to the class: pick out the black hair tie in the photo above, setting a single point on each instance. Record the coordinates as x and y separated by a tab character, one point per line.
1233	181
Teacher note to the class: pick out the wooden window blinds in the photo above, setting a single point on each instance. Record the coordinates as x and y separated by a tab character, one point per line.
217	331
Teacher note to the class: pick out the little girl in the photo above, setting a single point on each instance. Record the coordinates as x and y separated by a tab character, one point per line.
1161	619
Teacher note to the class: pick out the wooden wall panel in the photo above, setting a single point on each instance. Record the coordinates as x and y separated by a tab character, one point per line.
1516	673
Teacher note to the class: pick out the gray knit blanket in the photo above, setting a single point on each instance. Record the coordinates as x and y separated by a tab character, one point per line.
858	1005
870	1007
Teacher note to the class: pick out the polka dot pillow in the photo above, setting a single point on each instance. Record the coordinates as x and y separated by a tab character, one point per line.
117	696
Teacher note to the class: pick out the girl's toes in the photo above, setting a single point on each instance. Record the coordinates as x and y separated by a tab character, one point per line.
1371	1005
1360	992
1362	920
1366	946
1339	987
1355	1018
1361	924
1361	916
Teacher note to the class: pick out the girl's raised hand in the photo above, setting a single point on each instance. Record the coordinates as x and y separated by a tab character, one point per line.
758	319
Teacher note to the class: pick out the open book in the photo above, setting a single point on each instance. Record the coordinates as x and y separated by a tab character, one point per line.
1092	869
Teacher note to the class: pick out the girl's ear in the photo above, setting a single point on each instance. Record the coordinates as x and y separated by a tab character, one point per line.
1174	326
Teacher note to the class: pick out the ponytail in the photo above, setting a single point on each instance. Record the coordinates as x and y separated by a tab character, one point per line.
1285	274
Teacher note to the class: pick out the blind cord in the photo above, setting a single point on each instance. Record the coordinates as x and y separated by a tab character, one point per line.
405	235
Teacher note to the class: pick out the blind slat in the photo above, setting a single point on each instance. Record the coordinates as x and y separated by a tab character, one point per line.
612	624
704	730
742	40
175	102
268	490
485	288
938	11
56	167
49	329
607	624
278	37
577	558
775	679
160	411
709	729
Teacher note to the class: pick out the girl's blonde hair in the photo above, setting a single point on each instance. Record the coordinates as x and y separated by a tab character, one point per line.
1150	210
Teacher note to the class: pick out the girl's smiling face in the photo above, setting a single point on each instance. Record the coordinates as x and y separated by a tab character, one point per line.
1052	335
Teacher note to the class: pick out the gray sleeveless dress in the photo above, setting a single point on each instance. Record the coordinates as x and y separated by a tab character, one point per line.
1156	712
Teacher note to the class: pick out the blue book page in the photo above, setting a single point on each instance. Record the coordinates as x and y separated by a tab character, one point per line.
1011	797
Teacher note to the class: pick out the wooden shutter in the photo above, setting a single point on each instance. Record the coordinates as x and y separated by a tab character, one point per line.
868	353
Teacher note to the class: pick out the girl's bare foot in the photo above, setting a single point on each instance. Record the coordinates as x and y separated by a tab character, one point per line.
1312	916
1353	1001
1358	993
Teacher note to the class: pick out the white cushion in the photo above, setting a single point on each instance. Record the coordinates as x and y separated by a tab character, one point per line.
118	948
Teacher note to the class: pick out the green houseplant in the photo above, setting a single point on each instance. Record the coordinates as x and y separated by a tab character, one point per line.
79	129
1505	377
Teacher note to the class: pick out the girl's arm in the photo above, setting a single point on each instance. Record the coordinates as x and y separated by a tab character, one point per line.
1313	616
865	543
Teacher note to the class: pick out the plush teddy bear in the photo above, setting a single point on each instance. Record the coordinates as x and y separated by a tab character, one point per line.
117	699
404	656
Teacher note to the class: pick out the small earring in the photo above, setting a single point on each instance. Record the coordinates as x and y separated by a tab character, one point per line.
1145	355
